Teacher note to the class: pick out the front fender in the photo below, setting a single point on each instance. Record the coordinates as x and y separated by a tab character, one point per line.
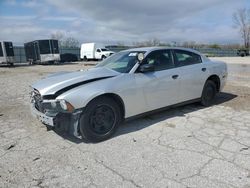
126	86
79	97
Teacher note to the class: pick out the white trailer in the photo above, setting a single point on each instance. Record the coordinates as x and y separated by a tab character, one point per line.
94	51
7	53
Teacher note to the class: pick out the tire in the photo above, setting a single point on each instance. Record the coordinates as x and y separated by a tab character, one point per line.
208	94
85	58
100	119
103	57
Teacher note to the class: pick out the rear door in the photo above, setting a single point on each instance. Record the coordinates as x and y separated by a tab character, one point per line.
54	46
193	74
36	52
44	47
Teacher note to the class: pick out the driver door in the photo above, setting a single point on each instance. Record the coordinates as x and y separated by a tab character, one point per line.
160	87
98	53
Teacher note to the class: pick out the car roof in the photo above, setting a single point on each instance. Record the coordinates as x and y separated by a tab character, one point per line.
150	49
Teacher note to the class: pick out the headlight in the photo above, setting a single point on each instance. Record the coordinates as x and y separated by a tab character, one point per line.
53	104
63	104
58	105
66	106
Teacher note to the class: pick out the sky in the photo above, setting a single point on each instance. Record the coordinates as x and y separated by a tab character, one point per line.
121	21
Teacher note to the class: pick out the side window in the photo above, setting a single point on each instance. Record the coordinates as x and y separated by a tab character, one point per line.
184	58
98	50
161	59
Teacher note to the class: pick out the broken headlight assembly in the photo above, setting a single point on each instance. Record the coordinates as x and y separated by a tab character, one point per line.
58	105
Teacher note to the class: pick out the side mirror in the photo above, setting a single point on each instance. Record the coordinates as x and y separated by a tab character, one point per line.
146	68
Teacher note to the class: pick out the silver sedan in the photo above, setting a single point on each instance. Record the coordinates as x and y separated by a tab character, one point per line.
91	104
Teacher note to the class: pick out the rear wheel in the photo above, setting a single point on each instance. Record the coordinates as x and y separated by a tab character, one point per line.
208	94
100	119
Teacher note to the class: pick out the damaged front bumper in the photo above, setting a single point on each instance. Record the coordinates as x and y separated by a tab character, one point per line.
62	122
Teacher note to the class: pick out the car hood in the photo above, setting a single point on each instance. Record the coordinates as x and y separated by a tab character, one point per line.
58	83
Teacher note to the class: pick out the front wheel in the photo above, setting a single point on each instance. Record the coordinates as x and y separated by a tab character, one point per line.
100	119
103	57
208	94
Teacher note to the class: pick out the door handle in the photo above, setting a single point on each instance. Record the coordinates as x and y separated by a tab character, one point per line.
175	77
204	69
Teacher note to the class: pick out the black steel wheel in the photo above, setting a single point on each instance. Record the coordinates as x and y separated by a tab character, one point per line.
100	119
208	94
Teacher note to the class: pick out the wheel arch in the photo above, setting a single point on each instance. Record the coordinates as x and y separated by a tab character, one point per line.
115	97
216	79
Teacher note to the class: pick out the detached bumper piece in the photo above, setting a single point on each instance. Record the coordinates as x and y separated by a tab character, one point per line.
61	122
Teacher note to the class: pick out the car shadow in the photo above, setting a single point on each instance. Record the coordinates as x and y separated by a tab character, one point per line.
65	136
148	120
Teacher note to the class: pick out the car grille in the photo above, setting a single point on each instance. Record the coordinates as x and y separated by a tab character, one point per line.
36	98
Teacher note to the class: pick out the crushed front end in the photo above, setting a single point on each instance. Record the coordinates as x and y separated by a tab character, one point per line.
58	114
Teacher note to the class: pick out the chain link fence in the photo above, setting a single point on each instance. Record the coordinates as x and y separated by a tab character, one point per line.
21	58
211	52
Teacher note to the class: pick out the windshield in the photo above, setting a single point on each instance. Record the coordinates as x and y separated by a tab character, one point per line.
104	49
121	62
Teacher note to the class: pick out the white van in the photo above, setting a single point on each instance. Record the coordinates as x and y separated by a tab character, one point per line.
94	51
6	53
